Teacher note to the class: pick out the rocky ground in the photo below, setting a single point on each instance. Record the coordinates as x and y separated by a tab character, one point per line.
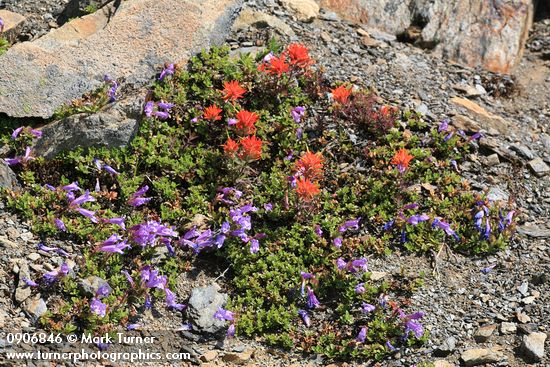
495	317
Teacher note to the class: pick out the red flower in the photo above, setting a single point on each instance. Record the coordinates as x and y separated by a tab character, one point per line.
306	189
299	55
402	159
232	91
212	113
251	148
341	94
276	65
310	165
230	147
246	121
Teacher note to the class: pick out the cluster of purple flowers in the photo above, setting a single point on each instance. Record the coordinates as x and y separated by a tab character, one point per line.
27	156
162	110
111	92
96	305
226	315
352	224
444	127
168	70
353	266
150	279
298	113
54	275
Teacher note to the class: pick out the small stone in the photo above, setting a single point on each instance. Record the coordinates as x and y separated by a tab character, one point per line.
524	288
305	10
33	256
35	307
3	316
442	363
528	300
467	89
484	333
377	275
248	18
534	231
538	167
23	291
209	356
238	358
497	194
476	357
508	328
492	160
446	348
532	346
523	318
522	151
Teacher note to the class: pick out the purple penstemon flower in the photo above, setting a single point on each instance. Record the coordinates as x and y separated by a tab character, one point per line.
337	242
103	291
448	136
136	199
312	301
444	126
367	308
49	187
88	214
341	264
360	288
231	121
349	224
305	317
418	218
85	198
110	170
60	225
58	250
148	108
16	132
12	161
267	58
55	275
224	315
171	300
268	207
29	282
477	135
71	187
388	225
487	232
150	278
97	307
305	276
488	269
254	246
97	187
133	327
478	218
358	265
36	133
128	277
168	70
165	105
149	233
297	113
230	331
118	247
410	324
390	346
362	335
163	115
437	222
118	221
318	231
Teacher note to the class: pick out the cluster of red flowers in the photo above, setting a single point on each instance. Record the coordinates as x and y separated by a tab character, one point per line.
341	94
232	91
248	148
246	122
296	56
402	159
212	113
309	168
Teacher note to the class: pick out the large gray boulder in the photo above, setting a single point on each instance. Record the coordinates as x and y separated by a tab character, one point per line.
131	41
202	306
490	34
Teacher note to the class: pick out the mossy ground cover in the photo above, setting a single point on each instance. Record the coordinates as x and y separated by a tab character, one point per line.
262	166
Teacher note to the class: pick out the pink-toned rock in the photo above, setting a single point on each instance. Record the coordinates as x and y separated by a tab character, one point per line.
490	34
131	41
12	24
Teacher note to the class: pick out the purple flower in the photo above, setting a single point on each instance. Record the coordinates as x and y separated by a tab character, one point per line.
111	93
444	126
312	301
268	57
12	161
478	218
128	277
58	250
230	331
299	133
446	227
163	115
98	307
410	325
118	221
318	231
341	264
254	246
133	327
388	225
103	291
169	70
487	232
306	275
292	181
55	275
110	169
136	199
337	242
171	300
148	109
60	225
362	335
488	269
71	187
118	247
350	224
297	113
475	136
97	187
16	132
223	314
367	308
29	282
150	278
194	120
449	136
148	302
305	317
418	218
49	187
85	198
36	133
231	122
225	227
390	347
360	288
358	265
410	206
165	105
268	207
88	214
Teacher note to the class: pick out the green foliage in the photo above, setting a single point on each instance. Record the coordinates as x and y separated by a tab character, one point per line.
4	45
182	161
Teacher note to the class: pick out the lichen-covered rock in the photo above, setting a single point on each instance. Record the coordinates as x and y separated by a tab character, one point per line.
490	34
131	41
202	306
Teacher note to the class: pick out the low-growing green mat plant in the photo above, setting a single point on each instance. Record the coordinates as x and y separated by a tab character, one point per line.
264	167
